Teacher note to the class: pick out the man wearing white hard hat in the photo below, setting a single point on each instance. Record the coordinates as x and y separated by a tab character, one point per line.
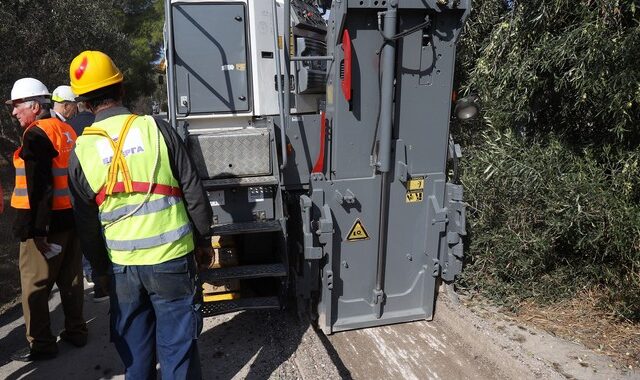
64	103
49	252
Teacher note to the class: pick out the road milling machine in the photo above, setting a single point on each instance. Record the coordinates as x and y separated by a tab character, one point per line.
321	132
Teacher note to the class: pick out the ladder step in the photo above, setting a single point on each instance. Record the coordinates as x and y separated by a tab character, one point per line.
257	303
239	181
248	227
243	272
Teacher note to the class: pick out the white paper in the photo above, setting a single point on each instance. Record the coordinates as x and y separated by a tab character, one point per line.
54	250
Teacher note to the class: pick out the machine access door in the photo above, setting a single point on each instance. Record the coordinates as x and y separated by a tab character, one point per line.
211	70
393	227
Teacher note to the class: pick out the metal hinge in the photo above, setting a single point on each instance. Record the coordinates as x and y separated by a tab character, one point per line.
456	229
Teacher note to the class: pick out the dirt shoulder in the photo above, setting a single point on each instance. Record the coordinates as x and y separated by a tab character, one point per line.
581	320
574	337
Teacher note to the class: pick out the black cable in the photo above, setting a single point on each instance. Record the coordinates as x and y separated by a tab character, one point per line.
407	32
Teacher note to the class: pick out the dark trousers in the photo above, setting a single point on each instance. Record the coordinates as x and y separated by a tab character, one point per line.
155	317
37	277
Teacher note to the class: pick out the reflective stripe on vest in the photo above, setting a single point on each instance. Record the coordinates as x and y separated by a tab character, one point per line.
56	192
57	172
150	242
62	138
147	208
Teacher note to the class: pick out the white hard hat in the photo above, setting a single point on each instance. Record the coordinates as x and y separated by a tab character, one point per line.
27	88
63	94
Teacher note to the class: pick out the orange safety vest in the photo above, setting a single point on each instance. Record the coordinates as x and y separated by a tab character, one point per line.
63	138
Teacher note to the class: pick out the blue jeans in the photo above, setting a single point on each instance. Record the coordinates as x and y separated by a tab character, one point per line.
155	316
86	268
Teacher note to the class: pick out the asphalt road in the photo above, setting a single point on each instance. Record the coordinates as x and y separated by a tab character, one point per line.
254	345
260	345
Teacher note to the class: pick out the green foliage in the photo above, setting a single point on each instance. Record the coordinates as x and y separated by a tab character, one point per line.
551	173
143	26
40	38
547	221
554	65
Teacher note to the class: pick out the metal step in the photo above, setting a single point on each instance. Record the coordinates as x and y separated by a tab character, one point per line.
257	303
246	228
243	272
211	184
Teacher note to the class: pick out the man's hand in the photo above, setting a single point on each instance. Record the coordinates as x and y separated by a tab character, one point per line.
104	282
203	254
42	244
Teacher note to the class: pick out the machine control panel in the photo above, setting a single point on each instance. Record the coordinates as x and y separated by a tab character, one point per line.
306	16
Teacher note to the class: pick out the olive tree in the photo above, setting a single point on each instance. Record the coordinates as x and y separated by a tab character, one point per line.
40	38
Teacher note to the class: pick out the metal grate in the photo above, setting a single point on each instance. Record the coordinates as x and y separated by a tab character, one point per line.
244	228
258	303
244	272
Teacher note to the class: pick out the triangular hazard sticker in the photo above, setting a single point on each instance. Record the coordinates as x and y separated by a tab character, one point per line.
357	232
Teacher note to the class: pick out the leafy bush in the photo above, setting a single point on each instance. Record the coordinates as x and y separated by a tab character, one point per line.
546	221
570	67
551	173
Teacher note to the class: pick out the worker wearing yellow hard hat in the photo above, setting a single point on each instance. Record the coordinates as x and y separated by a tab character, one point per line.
91	71
142	213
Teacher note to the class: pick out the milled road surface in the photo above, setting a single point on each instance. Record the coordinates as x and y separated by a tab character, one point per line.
431	350
458	344
259	345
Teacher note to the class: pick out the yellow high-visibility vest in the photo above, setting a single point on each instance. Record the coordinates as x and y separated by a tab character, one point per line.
140	201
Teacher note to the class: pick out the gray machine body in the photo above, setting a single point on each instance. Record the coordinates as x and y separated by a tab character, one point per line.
417	248
368	234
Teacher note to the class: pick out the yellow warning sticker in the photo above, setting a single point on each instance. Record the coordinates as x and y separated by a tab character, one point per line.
357	232
414	196
416	183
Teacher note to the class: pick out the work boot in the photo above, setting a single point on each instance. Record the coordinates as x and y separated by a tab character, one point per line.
78	340
28	355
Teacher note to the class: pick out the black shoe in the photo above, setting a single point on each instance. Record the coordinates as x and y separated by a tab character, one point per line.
99	295
76	340
28	355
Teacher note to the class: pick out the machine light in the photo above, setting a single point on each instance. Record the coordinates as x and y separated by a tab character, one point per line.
467	108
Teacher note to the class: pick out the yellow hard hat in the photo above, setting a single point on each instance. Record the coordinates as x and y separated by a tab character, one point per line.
92	70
